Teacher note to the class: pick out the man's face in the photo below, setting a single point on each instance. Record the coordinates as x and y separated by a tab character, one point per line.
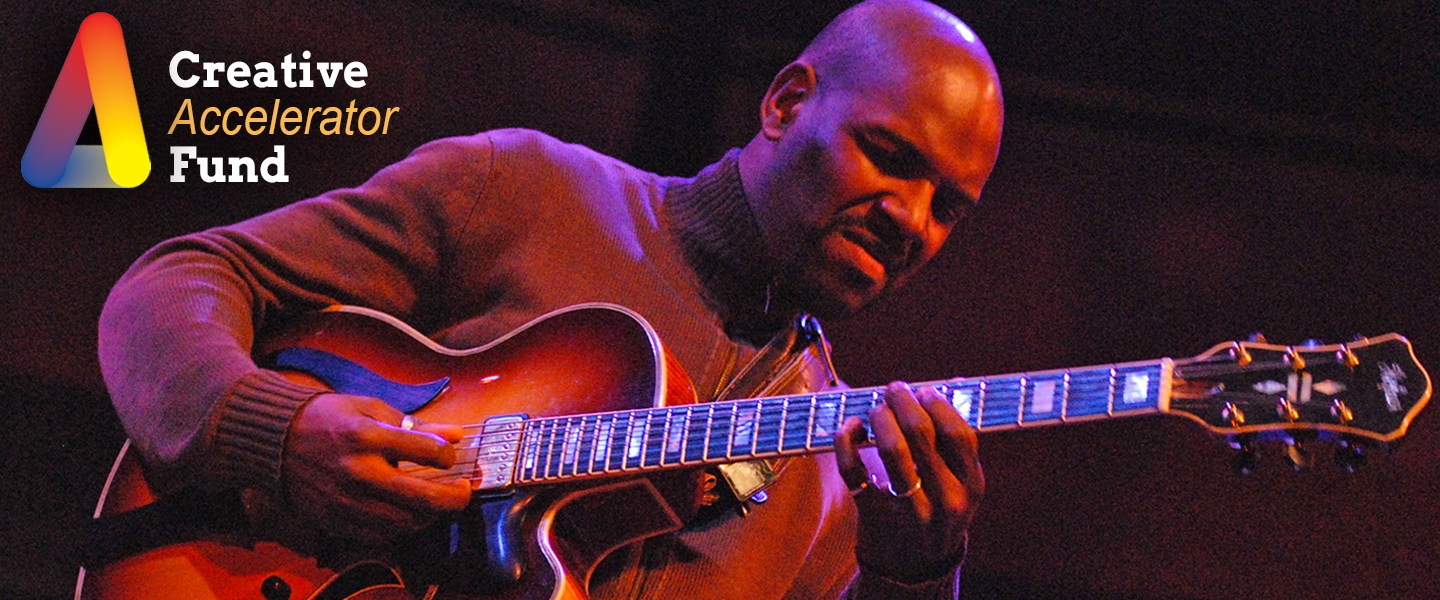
868	182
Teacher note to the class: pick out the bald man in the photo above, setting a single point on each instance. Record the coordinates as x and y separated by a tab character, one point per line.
872	146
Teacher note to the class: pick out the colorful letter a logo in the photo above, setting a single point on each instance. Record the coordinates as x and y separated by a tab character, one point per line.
96	73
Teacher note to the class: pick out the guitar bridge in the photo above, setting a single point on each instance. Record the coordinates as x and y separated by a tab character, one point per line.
496	449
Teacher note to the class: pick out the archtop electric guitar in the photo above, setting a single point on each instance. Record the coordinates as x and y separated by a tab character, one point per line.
582	411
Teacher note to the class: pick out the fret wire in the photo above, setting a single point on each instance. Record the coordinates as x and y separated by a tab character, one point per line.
685	432
625	441
574	438
665	435
784	419
1020	403
1110	404
610	443
614	431
596	443
734	417
535	472
549	453
759	433
537	469
583	439
810	424
564	432
588	438
645	439
1065	397
618	440
579	444
665	415
557	460
709	426
980	412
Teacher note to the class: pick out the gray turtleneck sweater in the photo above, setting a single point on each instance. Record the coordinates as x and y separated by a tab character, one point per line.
466	240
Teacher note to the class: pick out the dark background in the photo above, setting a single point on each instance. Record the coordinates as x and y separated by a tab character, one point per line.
1170	178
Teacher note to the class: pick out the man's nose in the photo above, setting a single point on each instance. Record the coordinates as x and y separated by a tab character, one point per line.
909	207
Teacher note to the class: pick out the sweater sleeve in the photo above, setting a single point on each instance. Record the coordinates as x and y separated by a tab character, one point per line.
177	329
867	585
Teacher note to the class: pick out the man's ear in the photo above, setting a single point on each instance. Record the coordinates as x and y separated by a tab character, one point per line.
794	85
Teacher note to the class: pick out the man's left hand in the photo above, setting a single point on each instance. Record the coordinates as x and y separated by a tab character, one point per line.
915	530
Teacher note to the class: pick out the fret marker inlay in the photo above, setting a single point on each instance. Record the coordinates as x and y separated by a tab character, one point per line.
1044	400
1137	387
963	402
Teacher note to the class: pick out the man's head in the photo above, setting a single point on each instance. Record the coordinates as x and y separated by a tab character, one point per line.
873	145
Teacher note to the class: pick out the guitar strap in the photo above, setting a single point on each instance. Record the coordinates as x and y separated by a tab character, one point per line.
785	365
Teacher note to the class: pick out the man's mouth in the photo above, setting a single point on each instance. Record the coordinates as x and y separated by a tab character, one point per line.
890	261
875	251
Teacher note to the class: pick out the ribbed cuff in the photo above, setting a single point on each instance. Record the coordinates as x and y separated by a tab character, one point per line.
249	441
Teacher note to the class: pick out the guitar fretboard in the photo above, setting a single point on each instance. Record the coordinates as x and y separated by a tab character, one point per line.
552	449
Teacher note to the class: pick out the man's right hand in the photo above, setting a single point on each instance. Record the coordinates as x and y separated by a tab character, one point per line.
340	468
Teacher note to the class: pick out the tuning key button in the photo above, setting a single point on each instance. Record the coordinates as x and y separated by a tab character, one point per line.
1296	361
1232	414
1347	357
1342	413
1258	338
1240	354
1286	409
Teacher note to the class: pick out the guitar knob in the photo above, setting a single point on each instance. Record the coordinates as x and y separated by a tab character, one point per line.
275	588
1349	456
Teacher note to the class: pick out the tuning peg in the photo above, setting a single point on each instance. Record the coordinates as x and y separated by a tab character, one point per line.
1296	361
1245	461
1241	356
1258	338
1349	455
1347	357
1298	455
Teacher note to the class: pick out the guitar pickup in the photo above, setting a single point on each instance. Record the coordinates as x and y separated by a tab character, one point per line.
496	449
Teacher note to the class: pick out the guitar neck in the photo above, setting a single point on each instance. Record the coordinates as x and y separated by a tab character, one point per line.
519	451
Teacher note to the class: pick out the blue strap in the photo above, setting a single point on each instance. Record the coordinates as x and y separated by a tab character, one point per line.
348	377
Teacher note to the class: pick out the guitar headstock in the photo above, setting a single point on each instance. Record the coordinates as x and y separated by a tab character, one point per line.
1366	391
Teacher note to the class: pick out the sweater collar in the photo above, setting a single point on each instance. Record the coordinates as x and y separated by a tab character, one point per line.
719	237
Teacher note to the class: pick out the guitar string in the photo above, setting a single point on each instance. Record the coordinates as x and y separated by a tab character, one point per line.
769	430
770	434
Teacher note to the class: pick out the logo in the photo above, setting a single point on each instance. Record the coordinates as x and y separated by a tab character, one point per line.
96	74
